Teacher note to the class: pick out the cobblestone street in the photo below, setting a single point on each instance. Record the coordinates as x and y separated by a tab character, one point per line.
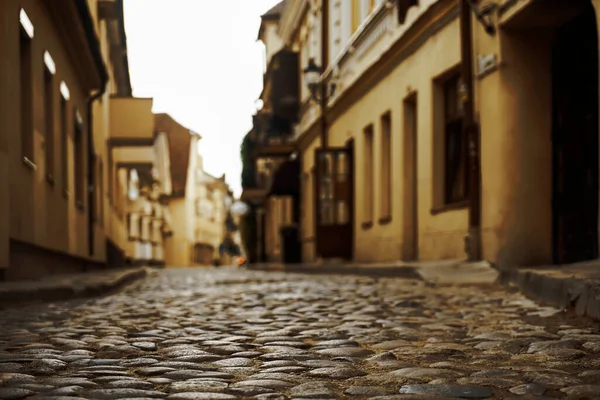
228	334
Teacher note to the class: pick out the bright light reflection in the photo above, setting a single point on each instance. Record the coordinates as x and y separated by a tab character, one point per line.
64	90
49	63
26	23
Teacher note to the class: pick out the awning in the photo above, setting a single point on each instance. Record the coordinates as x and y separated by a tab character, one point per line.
286	180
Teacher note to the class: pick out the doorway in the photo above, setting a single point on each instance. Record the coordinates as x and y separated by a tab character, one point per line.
410	243
335	202
575	139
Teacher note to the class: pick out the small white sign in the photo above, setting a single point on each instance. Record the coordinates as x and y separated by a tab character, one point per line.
486	64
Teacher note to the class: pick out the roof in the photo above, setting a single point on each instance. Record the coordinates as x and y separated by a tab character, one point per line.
93	41
276	10
180	139
272	15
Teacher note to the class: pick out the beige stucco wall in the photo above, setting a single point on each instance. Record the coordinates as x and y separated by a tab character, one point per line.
441	236
271	39
178	246
514	108
40	214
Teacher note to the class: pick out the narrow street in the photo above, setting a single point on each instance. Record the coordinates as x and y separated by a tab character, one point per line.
227	334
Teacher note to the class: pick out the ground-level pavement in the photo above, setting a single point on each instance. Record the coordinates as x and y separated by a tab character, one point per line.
227	334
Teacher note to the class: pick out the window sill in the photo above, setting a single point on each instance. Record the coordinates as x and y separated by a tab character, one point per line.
29	164
367	225
385	220
450	207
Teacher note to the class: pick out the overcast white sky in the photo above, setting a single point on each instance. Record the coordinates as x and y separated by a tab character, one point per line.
200	61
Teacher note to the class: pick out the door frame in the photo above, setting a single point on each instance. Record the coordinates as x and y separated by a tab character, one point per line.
343	247
562	251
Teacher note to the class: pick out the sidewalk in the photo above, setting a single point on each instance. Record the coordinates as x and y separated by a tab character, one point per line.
64	287
573	287
438	272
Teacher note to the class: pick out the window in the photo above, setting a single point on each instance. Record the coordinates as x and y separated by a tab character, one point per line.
64	144
386	158
455	144
368	191
79	160
26	82
49	115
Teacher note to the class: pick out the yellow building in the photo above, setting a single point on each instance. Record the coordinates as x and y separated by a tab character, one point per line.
64	166
210	216
49	76
185	168
383	138
276	199
383	191
537	100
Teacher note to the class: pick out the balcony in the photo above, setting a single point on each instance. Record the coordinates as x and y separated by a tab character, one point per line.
131	120
281	89
273	136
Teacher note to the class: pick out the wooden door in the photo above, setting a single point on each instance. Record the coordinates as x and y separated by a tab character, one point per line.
334	202
575	140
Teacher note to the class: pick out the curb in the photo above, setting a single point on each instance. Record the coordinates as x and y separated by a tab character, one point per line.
555	288
401	271
75	290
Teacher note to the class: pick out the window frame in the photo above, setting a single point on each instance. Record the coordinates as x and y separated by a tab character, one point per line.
26	92
49	120
455	170
79	159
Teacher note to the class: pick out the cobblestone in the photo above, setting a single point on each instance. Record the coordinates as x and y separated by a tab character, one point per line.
229	334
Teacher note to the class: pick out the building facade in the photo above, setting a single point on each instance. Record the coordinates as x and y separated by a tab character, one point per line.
185	166
385	142
66	166
211	207
49	77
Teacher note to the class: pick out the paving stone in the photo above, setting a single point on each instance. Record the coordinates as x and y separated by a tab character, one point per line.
314	390
336	373
582	391
198	385
346	352
66	391
467	392
366	391
201	396
426	373
529	388
130	384
14	393
209	333
154	371
150	346
66	381
123	394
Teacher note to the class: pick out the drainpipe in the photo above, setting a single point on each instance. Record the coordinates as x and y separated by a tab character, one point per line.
473	241
324	63
91	164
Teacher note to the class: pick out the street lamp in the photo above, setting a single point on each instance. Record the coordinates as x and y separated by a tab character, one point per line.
312	77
